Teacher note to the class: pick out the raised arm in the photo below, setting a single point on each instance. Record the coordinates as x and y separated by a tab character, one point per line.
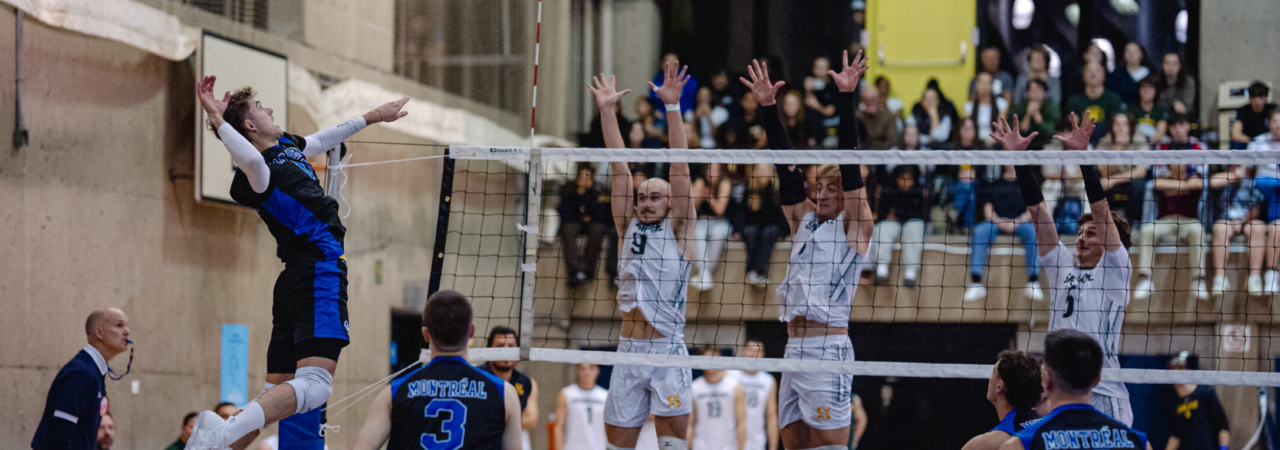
857	205
243	153
683	210
790	178
328	138
1078	139
1011	139
607	97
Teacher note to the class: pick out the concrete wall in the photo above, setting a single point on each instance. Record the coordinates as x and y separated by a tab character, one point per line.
362	31
1236	43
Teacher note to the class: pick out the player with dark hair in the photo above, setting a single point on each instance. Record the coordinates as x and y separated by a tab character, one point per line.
657	226
447	403
1071	370
1089	290
831	235
1014	389
526	388
309	311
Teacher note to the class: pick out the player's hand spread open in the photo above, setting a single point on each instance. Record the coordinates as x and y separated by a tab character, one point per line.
1078	137
606	92
847	79
766	92
1010	137
673	80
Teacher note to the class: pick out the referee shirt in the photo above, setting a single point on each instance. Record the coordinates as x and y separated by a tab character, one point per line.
75	405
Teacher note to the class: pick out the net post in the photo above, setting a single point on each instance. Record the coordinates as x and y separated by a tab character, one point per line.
442	223
528	267
333	181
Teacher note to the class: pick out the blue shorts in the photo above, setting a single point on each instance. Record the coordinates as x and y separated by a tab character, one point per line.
308	314
1270	189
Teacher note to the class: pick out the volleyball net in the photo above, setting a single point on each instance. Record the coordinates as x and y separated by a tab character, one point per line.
952	274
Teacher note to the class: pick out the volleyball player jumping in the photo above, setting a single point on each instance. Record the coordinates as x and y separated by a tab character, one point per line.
656	226
831	236
1089	290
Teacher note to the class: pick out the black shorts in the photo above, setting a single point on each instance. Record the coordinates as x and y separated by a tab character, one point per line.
308	314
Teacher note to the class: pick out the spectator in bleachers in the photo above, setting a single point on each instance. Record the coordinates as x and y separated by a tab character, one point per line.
711	192
935	116
1251	120
820	95
882	127
759	222
1177	87
1240	217
723	93
1151	116
1177	199
1037	113
753	136
1124	183
648	119
687	94
802	123
1267	182
691	134
584	215
1001	81
903	210
638	138
893	104
1004	213
708	116
962	188
910	139
1096	100
985	106
1038	69
1124	80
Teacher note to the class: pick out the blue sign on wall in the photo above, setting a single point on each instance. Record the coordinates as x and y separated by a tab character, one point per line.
235	364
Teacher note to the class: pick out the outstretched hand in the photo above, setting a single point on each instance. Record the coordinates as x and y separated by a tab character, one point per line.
1078	137
212	106
766	92
847	78
388	112
606	92
1010	137
673	80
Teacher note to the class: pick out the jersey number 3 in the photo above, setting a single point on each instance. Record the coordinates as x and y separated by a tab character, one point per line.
638	243
455	427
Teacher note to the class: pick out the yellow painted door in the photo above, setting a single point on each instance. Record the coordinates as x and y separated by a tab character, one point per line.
915	40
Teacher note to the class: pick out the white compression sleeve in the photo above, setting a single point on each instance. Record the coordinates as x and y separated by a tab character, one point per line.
323	140
246	157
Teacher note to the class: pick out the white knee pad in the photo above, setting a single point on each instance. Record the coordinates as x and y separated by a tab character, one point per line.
312	386
672	443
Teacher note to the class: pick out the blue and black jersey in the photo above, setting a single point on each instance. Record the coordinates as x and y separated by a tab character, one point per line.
74	407
1016	420
447	405
302	218
1079	426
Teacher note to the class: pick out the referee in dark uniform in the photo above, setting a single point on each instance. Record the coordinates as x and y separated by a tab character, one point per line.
78	398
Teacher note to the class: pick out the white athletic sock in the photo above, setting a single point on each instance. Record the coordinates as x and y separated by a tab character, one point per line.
882	270
240	425
909	274
672	443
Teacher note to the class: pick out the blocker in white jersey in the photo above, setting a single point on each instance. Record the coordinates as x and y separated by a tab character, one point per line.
822	276
653	275
716	409
758	388
583	417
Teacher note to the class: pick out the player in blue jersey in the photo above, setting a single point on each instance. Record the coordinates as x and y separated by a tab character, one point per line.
1072	368
309	309
1014	389
447	404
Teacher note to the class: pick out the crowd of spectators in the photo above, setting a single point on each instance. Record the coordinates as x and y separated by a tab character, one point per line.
1137	106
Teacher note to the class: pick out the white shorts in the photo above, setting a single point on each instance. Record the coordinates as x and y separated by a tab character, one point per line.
820	399
635	392
1116	408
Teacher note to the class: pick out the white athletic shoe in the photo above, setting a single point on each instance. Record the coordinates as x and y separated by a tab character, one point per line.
757	280
975	292
1034	293
1219	285
207	432
1199	287
1271	282
702	282
1255	285
1143	290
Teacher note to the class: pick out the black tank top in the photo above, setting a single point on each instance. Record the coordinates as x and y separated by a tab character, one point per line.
447	405
520	381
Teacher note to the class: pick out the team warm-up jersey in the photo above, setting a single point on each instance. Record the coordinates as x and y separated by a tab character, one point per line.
716	426
1079	426
1016	421
445	405
757	388
1091	301
822	276
301	217
583	425
654	275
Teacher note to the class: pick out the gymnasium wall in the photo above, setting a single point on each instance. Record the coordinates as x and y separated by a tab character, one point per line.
1236	43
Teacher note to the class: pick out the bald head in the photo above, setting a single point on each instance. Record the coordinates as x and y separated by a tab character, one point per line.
99	317
653	201
108	331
